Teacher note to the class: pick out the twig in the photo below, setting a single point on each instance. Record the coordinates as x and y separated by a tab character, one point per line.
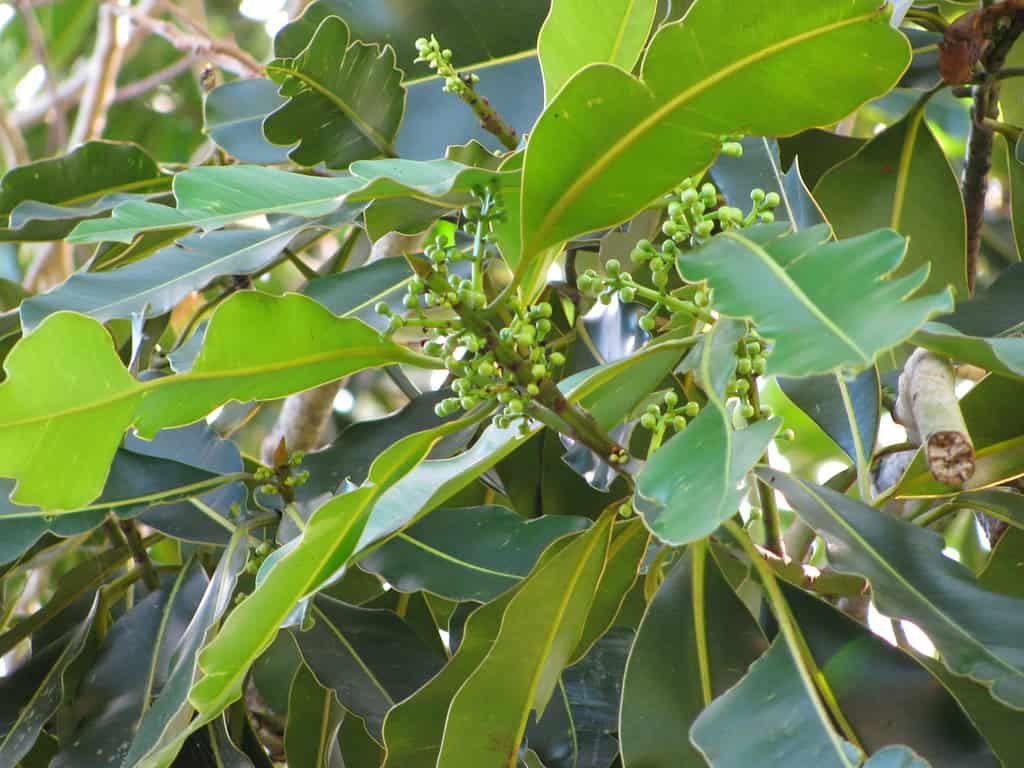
125	533
14	148
148	83
979	144
35	36
403	382
99	88
224	54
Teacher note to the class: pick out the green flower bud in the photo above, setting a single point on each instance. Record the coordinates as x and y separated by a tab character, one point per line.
543	309
660	279
605	298
743	366
381	308
613	267
671	399
485	369
772	200
689	197
516	406
732	149
758	364
767	217
411	301
669	228
757	196
704	228
543	327
647	323
658	264
742	386
787	434
557	358
627	294
506	396
676	210
753	348
467	402
626	510
708	193
678	423
532	389
691	409
767	412
538	371
748	411
649	421
422	44
395	324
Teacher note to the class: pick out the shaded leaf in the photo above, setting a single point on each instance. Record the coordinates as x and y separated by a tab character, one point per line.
43	200
897	180
593	687
345	98
911	579
768	719
233	115
314	718
999	355
474	553
616	123
489	713
674	651
370	658
818	151
824	305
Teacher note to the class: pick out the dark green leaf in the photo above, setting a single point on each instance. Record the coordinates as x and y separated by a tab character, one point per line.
314	718
369	658
768	719
818	151
233	116
345	98
911	579
663	693
467	554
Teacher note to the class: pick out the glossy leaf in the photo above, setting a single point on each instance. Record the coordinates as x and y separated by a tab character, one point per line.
824	305
663	122
897	180
489	713
413	730
911	579
158	283
43	200
345	99
885	694
593	688
314	718
614	33
370	658
42	410
209	197
769	695
999	355
19	735
818	151
166	717
233	115
760	167
355	292
132	665
467	554
695	641
694	482
822	398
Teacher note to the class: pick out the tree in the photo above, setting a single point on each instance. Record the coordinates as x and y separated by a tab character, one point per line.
533	402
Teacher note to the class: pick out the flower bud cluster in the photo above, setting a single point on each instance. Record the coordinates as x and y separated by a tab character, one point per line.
658	418
694	213
440	60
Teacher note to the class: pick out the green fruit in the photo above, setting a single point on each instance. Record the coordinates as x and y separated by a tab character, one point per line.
649	421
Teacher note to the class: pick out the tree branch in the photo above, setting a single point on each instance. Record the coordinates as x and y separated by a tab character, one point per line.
36	40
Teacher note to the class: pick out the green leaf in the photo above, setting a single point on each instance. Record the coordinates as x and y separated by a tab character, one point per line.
132	665
43	200
694	482
993	310
741	727
670	122
19	735
818	151
896	757
209	197
163	722
923	73
314	719
822	398
593	688
761	167
911	579
1015	172
445	182
52	417
328	542
998	355
824	305
883	692
158	283
439	555
694	642
65	419
233	115
540	628
614	33
356	291
900	179
413	729
345	99
626	555
370	658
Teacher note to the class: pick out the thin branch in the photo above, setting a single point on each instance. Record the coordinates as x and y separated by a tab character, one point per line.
100	84
158	78
14	148
223	53
980	141
38	43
